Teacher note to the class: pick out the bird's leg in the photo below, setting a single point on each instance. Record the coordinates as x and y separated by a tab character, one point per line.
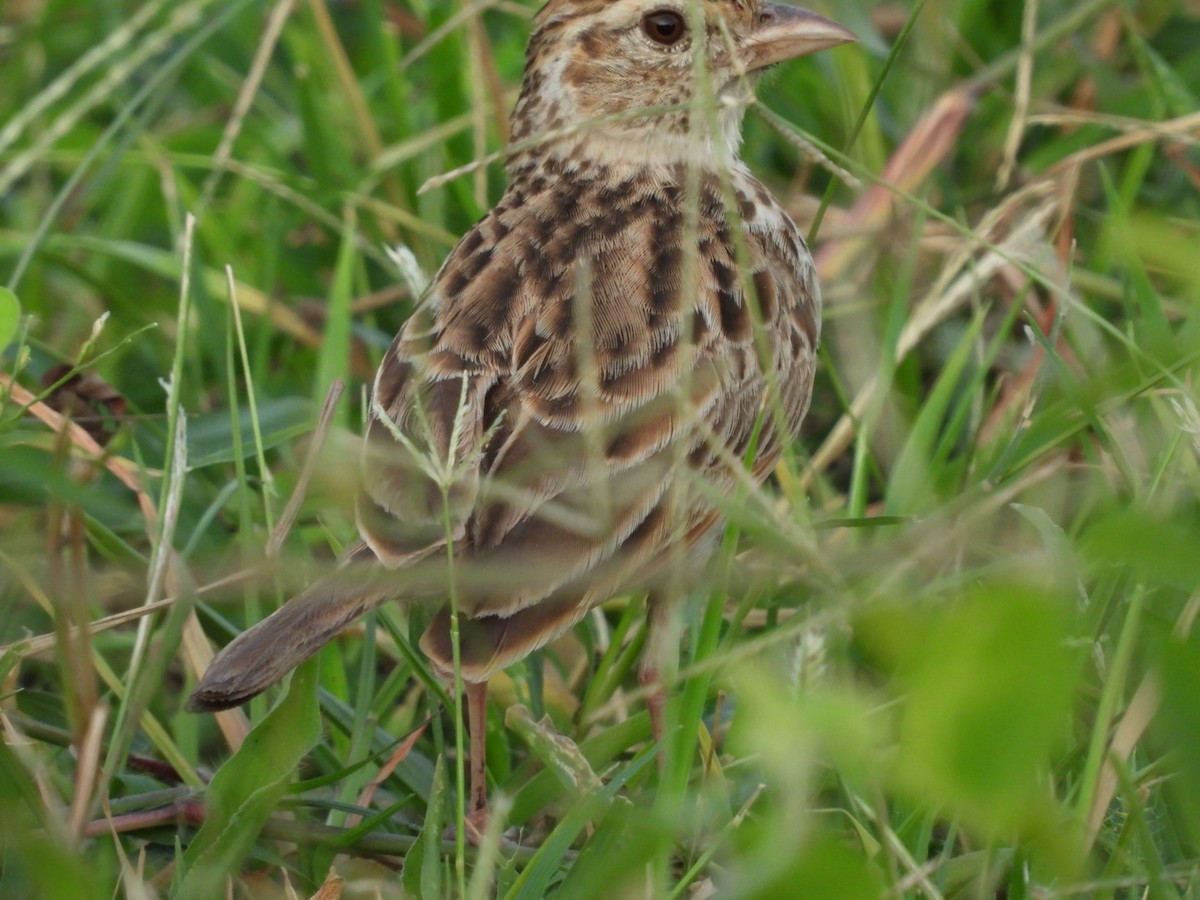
477	811
656	703
659	656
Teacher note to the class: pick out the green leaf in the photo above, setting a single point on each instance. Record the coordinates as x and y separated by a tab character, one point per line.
211	437
422	872
10	316
988	686
1168	86
560	755
1155	551
599	750
911	488
247	789
626	841
333	358
535	881
1180	722
28	477
825	868
36	859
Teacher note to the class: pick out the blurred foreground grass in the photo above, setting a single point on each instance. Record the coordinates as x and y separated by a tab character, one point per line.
954	655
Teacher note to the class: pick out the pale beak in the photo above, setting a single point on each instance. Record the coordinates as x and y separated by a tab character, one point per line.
785	32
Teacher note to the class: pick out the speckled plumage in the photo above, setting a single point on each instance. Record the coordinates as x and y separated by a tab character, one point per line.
634	311
504	318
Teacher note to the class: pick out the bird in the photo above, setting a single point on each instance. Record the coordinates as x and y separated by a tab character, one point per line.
627	336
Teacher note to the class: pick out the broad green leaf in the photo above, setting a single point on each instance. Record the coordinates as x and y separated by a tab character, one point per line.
248	788
422	872
1156	551
826	867
558	754
987	690
787	730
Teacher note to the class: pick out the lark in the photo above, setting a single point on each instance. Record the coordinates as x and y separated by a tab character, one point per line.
628	336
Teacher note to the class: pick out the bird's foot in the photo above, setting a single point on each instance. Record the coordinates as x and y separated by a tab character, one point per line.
475	825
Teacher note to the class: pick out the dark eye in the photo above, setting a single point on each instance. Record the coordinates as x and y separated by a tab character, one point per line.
664	27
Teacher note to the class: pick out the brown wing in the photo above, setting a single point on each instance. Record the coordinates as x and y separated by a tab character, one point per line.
545	409
434	401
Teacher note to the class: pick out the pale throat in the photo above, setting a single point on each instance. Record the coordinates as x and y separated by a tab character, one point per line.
650	142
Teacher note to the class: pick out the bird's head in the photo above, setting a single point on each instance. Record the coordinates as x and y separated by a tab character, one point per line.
656	78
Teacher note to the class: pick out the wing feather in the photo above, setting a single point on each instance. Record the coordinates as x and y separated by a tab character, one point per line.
544	403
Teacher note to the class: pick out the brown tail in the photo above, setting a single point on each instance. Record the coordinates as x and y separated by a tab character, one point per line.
262	655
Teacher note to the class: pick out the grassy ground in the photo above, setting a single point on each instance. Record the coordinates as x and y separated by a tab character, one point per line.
954	655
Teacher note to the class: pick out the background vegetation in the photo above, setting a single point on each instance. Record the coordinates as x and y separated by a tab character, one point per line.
955	655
